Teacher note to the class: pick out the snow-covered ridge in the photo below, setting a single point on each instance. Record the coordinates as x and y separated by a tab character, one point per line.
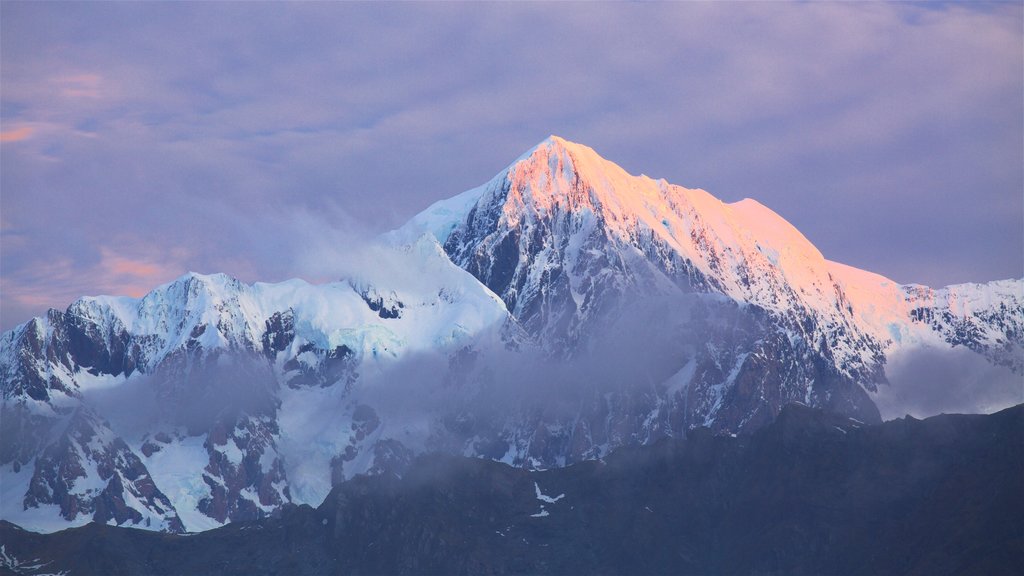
441	304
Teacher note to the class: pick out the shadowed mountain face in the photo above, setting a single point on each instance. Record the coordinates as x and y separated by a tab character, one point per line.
811	493
560	311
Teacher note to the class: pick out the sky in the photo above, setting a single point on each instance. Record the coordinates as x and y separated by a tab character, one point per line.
139	141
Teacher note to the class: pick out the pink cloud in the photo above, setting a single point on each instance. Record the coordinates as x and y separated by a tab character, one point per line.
16	135
58	283
47	285
80	85
137	275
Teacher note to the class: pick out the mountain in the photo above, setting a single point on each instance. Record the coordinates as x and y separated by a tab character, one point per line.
811	493
746	312
210	381
561	310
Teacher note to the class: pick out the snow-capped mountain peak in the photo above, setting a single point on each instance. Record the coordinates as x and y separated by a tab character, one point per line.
599	309
559	177
561	232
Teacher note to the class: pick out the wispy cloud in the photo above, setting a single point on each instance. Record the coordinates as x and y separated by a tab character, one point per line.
135	276
57	283
79	85
17	134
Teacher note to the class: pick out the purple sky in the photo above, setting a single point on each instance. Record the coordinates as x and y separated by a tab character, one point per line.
143	140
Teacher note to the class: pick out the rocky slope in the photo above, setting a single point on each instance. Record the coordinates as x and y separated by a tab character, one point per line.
811	493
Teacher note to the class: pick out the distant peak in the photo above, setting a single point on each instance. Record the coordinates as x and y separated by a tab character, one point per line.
204	282
561	155
559	141
555	142
555	145
216	277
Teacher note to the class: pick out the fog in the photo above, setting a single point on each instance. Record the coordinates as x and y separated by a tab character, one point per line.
646	343
210	393
929	381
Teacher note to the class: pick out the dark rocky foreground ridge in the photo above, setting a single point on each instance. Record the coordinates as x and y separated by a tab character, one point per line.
812	493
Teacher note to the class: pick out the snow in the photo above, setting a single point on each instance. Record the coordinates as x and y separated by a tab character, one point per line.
232	452
91	382
16	566
91	483
681	379
250	494
150	519
324	314
177	471
544	498
45	518
753	255
719	389
543	513
440	217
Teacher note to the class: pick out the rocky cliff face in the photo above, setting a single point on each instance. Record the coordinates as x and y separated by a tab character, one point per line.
561	310
982	317
89	471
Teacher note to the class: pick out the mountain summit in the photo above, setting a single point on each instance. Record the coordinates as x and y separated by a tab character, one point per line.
560	204
562	231
560	310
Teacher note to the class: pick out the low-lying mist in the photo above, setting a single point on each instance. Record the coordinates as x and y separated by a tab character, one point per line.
213	392
647	343
929	381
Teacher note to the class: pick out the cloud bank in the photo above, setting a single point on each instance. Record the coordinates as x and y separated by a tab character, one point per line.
929	381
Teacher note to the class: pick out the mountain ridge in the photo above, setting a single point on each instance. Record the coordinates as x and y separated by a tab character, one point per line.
561	310
813	492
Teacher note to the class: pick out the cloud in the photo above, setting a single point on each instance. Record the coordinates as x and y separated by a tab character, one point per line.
79	85
929	381
16	135
55	284
137	276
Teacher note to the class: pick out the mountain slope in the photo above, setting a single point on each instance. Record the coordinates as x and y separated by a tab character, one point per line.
811	493
562	231
562	221
222	379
